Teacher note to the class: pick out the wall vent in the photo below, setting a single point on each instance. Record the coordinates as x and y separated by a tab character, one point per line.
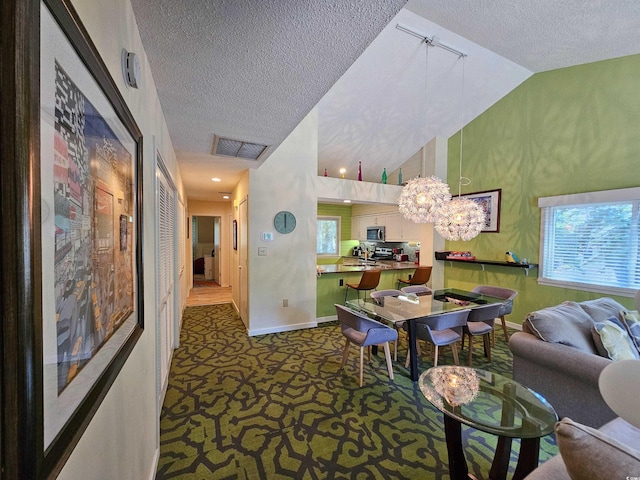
237	148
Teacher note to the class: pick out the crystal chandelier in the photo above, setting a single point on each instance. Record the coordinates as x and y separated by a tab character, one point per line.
422	199
461	218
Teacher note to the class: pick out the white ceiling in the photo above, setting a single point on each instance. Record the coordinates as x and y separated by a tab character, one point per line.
252	70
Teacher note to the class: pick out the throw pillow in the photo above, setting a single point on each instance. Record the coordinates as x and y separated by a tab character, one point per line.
566	323
588	453
601	309
631	321
612	340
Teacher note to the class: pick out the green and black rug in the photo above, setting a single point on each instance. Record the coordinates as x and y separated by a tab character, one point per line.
278	406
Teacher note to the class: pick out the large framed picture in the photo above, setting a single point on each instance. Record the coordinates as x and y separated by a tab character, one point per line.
489	200
90	191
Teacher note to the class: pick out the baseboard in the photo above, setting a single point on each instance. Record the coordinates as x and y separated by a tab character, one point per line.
330	318
282	328
515	326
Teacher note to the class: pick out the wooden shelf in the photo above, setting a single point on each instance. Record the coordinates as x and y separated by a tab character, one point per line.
525	266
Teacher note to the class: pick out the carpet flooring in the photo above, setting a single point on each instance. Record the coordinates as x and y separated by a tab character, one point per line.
278	406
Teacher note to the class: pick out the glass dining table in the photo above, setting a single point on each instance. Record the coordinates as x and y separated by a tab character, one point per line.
408	308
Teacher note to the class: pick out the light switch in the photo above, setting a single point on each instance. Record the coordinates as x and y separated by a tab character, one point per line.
262	251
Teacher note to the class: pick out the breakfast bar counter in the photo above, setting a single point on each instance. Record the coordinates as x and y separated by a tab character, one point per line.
332	280
348	268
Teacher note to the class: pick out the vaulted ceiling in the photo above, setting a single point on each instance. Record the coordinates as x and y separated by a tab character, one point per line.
252	70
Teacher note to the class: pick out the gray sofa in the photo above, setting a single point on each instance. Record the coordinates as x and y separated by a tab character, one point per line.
565	368
559	355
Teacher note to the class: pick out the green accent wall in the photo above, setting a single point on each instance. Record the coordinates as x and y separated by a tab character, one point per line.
570	130
344	212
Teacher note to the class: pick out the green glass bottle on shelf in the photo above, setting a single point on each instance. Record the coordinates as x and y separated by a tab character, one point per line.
384	175
400	177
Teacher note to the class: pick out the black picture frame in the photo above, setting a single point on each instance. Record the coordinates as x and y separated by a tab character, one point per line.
490	201
235	234
25	331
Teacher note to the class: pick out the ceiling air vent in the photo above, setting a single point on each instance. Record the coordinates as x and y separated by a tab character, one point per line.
237	148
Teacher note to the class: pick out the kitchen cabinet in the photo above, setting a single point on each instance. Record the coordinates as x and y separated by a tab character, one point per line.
393	227
359	228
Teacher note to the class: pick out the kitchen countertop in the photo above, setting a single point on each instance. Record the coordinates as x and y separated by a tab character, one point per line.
380	264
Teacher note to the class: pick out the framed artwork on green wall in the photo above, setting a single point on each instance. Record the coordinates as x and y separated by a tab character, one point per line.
489	200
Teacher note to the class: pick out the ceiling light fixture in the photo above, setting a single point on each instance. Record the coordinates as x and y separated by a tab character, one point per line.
422	199
215	179
461	218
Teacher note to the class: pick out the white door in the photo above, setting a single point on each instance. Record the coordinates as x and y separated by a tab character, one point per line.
243	253
166	272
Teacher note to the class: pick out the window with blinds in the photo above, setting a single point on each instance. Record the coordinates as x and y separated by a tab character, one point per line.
590	241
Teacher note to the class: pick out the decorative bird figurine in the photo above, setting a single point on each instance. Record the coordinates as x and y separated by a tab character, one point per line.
512	257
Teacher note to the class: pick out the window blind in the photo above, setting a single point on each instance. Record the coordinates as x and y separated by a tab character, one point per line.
592	246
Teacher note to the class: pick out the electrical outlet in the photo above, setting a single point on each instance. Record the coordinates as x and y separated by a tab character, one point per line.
341	282
285	302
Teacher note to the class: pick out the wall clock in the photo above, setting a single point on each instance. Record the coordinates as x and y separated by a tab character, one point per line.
284	222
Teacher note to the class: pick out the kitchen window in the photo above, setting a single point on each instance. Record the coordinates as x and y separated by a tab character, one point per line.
590	241
328	236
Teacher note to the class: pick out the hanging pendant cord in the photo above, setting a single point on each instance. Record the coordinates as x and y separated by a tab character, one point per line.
426	96
462	180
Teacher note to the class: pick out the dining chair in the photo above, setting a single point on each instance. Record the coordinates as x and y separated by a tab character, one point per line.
507	306
364	332
369	281
420	276
480	324
442	330
417	289
375	296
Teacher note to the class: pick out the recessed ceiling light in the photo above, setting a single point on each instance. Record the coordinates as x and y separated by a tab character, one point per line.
347	201
215	179
226	197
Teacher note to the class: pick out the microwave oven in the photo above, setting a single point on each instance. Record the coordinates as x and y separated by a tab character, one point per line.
375	234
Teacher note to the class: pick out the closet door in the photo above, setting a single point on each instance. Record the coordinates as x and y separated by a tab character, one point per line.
166	274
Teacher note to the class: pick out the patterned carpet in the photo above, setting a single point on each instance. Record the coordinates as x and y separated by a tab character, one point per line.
278	406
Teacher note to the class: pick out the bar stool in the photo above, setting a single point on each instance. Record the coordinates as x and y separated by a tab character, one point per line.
369	281
420	277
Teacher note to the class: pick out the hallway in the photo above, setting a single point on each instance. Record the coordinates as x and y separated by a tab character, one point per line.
208	293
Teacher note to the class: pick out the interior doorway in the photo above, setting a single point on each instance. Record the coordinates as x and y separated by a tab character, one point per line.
205	247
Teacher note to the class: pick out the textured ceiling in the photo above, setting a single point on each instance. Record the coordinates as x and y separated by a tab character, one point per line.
248	70
542	35
251	70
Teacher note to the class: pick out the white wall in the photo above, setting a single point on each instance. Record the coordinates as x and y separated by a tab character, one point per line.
121	442
285	181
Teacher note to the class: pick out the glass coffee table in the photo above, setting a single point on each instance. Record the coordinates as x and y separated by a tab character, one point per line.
493	404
